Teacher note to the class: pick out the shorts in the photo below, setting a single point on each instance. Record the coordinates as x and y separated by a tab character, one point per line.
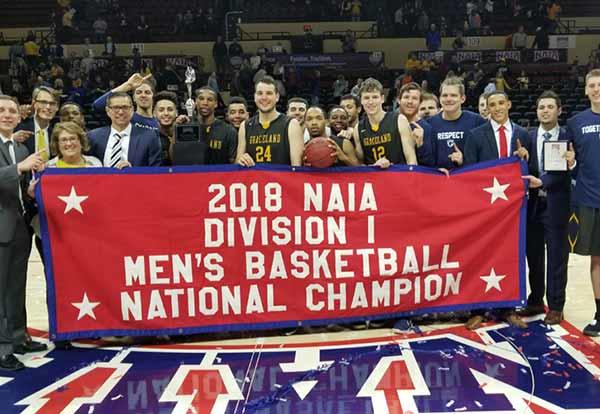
588	238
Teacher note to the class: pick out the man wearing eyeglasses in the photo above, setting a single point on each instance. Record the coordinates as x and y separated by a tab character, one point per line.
123	144
36	130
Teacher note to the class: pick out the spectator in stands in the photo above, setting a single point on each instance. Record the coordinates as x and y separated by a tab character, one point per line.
340	86
356	88
459	42
110	48
475	22
541	40
423	22
490	87
100	26
235	49
68	28
213	82
413	64
143	29
399	19
32	52
188	22
554	10
355	10
220	55
349	42
501	84
519	38
523	81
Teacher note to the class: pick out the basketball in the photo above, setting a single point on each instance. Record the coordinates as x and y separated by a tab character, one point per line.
317	153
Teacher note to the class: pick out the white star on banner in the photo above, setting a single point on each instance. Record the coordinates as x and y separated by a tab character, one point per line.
73	201
497	191
492	280
86	308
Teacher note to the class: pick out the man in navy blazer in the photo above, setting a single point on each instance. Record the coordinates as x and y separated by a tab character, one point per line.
497	138
548	213
484	143
122	144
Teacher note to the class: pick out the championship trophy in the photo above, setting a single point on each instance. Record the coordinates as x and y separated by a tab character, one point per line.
190	78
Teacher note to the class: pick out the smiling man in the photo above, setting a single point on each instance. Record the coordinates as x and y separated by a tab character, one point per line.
340	146
548	211
237	111
409	98
382	138
451	126
143	95
15	239
36	130
220	137
123	144
584	131
269	137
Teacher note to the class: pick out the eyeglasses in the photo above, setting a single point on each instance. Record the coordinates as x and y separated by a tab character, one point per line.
68	140
117	108
51	104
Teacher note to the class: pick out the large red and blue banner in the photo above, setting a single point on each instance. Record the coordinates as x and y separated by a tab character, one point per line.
192	249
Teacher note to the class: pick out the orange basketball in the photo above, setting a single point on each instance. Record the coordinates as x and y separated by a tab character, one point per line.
318	154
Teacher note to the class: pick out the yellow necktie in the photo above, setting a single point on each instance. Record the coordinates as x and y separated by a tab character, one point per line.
42	144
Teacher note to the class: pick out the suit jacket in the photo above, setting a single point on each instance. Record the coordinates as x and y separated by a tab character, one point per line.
29	125
10	180
557	185
481	144
144	146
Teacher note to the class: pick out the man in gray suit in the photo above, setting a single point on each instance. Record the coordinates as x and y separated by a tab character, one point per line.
15	240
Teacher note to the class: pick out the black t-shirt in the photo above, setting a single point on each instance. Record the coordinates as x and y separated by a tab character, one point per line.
221	142
381	140
269	144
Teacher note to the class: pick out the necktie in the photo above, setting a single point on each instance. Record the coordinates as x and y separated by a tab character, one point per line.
546	136
503	145
42	144
116	152
11	151
13	157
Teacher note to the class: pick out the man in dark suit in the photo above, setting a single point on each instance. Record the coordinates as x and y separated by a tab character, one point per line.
548	213
122	144
35	132
497	138
15	240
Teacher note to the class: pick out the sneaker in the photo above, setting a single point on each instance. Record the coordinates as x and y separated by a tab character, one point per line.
593	329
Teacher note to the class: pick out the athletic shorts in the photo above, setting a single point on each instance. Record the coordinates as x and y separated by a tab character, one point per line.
588	238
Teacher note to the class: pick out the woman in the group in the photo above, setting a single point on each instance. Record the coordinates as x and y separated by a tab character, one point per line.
70	141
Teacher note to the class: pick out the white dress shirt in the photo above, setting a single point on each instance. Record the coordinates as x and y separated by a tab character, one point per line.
508	131
554	132
13	156
125	136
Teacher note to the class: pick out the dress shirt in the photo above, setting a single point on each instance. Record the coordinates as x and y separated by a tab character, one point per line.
508	131
125	136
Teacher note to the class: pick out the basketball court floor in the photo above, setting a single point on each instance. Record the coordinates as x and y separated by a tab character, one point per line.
431	369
